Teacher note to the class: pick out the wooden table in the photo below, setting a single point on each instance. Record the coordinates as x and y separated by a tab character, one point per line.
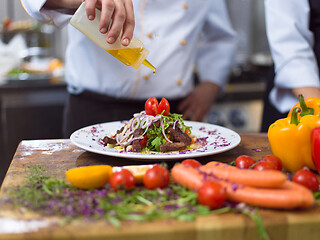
59	155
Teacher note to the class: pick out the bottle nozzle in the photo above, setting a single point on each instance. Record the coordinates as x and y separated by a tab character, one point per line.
149	65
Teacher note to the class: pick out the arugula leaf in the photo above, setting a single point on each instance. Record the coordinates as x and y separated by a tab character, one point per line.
157	141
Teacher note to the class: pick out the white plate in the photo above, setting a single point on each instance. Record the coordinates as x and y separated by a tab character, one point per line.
215	139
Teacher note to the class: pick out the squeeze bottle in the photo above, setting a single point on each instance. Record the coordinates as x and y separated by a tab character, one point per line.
132	55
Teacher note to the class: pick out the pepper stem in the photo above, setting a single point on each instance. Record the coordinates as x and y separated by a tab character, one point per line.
304	109
294	116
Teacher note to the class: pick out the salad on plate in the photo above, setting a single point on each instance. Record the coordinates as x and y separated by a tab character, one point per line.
154	129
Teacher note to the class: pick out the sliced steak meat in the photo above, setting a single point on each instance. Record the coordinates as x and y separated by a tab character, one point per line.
108	140
120	130
136	146
179	136
172	146
156	123
138	132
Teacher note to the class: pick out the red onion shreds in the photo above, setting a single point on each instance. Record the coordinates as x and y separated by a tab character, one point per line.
135	122
128	141
163	131
174	124
145	122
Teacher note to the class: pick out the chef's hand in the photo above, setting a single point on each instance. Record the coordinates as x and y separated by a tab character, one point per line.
119	13
306	92
198	103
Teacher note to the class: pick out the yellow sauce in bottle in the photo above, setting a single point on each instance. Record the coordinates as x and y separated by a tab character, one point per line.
129	56
149	65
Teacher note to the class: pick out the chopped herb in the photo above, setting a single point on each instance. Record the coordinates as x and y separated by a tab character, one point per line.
54	197
173	117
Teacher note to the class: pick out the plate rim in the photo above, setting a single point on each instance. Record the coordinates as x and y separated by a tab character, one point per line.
156	156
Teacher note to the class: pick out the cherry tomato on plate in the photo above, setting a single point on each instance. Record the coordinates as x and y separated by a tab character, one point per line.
274	159
151	106
244	161
122	179
143	141
191	163
306	178
264	165
212	194
164	107
156	177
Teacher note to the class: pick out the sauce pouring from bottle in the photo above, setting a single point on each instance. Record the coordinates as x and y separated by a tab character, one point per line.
132	55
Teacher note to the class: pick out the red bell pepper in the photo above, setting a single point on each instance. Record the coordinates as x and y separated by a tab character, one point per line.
315	147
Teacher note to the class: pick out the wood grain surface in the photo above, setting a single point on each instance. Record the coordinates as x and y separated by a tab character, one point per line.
57	156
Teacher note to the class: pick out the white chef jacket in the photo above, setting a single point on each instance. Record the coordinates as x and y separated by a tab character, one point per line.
291	44
170	30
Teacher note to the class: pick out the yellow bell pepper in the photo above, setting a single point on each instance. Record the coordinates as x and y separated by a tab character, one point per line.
310	106
290	140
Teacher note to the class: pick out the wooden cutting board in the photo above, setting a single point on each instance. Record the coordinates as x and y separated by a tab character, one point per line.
57	156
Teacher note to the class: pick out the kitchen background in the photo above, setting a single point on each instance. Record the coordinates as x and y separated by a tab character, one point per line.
32	89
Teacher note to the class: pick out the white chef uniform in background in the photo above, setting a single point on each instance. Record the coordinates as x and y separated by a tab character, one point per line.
291	44
170	30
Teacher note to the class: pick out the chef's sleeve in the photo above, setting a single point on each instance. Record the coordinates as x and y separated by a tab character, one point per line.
291	45
36	9
216	51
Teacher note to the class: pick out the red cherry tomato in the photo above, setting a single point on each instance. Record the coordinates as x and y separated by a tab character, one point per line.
143	141
274	159
306	178
244	161
264	165
191	163
164	107
122	179
212	194
151	106
156	177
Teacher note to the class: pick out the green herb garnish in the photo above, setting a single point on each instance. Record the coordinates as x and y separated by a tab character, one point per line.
49	196
155	134
54	197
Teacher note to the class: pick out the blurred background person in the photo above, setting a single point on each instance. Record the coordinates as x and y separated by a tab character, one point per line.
293	31
181	37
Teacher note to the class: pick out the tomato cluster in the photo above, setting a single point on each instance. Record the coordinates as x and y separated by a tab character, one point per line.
303	177
270	162
155	177
152	107
211	193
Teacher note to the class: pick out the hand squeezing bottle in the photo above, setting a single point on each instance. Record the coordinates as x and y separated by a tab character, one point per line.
132	55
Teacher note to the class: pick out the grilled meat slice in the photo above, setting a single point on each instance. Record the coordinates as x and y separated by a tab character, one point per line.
120	130
172	146
108	140
156	123
179	136
136	146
